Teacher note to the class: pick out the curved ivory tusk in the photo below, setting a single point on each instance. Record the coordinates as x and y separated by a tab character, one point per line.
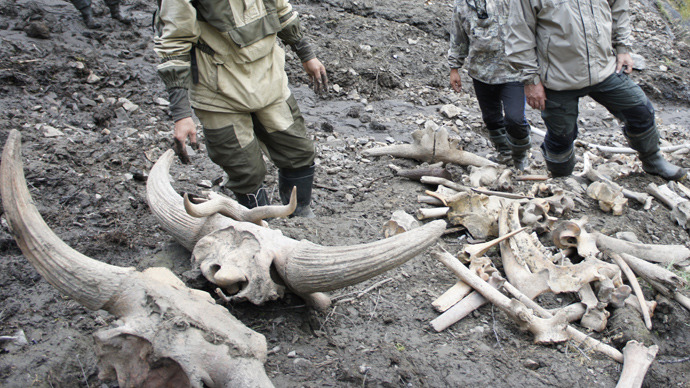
87	281
230	208
315	268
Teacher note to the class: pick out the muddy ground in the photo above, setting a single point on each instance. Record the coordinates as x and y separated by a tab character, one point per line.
88	105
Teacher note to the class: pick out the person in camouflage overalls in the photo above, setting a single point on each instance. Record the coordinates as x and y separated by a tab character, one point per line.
84	7
223	55
476	38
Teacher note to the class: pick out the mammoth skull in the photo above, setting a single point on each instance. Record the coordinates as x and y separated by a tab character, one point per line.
255	263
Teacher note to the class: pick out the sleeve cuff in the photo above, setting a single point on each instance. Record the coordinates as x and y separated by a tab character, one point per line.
179	104
304	50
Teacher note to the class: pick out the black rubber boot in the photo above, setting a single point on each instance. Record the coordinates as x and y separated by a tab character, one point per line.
87	16
302	178
559	164
116	13
252	200
500	142
520	149
653	162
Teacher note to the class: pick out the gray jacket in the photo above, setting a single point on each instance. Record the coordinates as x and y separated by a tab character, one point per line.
567	44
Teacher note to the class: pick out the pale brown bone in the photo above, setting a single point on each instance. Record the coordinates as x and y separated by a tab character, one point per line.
218	203
435	170
680	207
452	296
400	222
464	307
148	345
661	279
596	315
504	180
433	213
635	286
609	195
636	360
484	176
431	146
593	175
549	330
241	256
657	253
432	180
478	213
573	234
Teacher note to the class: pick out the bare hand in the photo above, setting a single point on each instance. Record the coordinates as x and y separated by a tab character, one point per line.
625	62
535	95
184	128
455	81
317	74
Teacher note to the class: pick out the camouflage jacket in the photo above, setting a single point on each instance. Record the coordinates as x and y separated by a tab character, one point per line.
477	37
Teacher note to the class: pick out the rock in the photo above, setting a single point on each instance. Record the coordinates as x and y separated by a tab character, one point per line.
161	101
531	364
327	127
49	131
205	184
376	126
336	88
450	111
92	78
292	354
38	30
127	105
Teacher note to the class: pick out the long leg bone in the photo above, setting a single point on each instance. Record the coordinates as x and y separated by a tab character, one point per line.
463	308
550	330
680	207
657	253
637	359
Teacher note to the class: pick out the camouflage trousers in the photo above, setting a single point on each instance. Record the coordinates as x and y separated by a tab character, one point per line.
237	142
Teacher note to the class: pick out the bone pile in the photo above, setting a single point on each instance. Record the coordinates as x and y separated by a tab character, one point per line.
601	270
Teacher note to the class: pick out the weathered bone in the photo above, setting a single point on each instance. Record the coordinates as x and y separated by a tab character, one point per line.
432	180
463	308
504	180
661	279
657	253
596	316
637	359
218	203
643	198
609	195
400	222
573	334
478	213
452	296
635	286
415	174
429	200
483	176
573	234
149	345
438	212
431	145
549	330
590	173
680	207
240	256
634	302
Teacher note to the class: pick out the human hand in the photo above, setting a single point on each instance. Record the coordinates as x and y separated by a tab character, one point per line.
184	128
317	74
455	80
625	62
536	96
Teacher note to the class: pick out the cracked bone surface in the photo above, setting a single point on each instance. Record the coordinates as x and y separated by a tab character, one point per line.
244	258
636	361
146	346
431	146
476	212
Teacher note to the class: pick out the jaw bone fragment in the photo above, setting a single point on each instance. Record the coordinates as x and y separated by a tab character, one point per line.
148	345
636	360
254	263
431	146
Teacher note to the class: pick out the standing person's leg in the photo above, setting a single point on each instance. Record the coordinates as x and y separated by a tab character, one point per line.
84	7
280	127
231	144
517	128
492	115
560	118
626	100
115	12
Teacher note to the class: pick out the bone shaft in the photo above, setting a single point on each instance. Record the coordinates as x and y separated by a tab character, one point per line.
452	296
635	286
431	180
438	212
656	193
573	333
459	311
429	200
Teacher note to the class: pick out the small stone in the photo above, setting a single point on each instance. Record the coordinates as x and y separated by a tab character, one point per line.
336	88
450	111
327	127
49	131
663	68
92	78
37	30
162	101
376	126
105	132
127	105
530	364
292	354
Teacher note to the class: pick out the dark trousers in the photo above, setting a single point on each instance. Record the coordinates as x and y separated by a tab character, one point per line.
503	106
617	93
